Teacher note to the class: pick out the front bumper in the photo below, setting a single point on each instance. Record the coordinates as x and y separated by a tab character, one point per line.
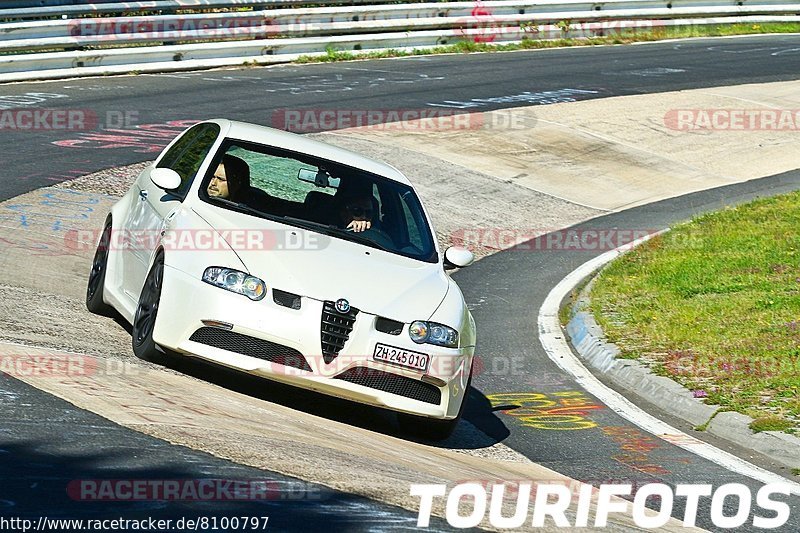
186	302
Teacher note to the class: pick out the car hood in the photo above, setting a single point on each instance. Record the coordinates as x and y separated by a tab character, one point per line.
372	280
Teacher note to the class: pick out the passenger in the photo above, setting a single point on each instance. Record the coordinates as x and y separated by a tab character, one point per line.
231	180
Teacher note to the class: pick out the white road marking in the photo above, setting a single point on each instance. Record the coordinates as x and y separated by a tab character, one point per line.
746	51
552	339
179	76
373	70
785	51
655	71
533	98
748	100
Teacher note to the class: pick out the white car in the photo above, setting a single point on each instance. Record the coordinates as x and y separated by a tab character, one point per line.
294	260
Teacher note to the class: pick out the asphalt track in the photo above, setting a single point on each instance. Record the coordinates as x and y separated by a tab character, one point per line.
258	95
505	291
48	447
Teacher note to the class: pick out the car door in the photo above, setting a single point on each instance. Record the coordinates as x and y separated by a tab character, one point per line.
155	206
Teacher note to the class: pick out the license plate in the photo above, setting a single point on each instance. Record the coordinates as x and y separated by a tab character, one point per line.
399	356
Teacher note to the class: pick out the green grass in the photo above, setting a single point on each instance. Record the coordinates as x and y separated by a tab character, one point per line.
627	37
704	425
565	311
715	305
770	423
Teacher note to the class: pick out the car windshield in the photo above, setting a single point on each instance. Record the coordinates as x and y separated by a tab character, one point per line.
321	195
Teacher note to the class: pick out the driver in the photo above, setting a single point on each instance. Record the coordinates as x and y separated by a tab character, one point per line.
356	212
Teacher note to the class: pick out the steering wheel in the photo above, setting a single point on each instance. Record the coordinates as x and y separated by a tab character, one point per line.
379	236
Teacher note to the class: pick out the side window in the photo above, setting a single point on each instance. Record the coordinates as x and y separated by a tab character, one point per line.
186	155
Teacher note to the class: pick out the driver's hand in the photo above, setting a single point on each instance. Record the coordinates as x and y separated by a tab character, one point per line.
359	225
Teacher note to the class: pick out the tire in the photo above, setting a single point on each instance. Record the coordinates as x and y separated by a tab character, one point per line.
433	429
146	313
97	276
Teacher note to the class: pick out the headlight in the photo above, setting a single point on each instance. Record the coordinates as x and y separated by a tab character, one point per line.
235	281
421	331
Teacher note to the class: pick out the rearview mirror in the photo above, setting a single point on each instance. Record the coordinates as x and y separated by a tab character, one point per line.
165	178
320	178
457	257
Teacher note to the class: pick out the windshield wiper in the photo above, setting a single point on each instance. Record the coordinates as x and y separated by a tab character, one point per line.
357	237
308	224
243	207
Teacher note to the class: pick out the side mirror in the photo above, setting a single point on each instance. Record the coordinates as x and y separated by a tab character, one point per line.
165	178
457	257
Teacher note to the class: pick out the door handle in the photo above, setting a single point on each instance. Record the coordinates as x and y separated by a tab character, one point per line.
143	195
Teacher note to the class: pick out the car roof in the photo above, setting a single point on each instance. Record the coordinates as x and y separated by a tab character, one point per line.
245	131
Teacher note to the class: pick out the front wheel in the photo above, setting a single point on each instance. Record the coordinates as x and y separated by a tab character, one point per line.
97	277
146	312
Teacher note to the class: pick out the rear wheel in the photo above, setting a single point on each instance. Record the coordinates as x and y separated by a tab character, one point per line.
431	428
97	277
146	313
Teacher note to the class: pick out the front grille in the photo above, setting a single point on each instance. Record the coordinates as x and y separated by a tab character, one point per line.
250	346
400	385
335	330
286	299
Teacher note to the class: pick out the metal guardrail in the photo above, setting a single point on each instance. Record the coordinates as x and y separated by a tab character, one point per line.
65	47
41	3
88	8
